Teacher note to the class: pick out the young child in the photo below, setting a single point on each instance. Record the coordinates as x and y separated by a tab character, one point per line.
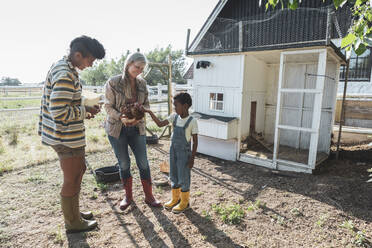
182	157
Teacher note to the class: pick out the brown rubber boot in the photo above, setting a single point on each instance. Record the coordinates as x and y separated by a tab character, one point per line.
73	222
128	198
149	198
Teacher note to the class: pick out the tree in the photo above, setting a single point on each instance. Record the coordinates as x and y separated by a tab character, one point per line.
95	75
100	72
360	33
160	55
10	81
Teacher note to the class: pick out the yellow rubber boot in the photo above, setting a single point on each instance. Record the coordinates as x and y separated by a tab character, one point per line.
184	204
176	196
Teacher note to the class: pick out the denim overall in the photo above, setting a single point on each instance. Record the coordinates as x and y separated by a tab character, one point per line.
180	153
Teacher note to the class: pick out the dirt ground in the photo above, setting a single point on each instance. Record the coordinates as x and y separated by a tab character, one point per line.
273	209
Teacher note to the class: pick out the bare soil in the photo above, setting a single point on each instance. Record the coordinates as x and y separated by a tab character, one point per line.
294	209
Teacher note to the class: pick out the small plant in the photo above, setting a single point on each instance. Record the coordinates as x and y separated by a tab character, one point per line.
321	221
348	225
159	190
232	214
198	193
4	237
94	196
5	166
206	215
2	148
38	179
296	212
256	205
94	138
58	236
102	186
360	238
13	137
279	220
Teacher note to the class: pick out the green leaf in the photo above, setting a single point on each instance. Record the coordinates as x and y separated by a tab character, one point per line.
361	49
339	3
349	39
357	43
359	2
293	4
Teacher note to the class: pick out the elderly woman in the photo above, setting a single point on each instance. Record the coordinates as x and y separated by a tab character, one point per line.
122	93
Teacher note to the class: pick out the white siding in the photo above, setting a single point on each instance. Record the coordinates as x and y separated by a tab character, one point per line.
218	129
224	149
223	76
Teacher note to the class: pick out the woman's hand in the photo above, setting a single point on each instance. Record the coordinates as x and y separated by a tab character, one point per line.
128	122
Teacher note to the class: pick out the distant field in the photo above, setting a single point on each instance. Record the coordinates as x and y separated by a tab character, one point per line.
20	94
16	104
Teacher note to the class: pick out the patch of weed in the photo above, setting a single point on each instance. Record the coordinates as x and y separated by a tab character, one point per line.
321	221
230	214
256	205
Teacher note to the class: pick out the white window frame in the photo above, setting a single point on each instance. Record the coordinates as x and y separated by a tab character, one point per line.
215	101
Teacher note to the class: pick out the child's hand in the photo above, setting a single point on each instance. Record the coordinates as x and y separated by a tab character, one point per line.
144	109
190	164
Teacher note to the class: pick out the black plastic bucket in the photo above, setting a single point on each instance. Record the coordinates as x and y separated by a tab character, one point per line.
107	174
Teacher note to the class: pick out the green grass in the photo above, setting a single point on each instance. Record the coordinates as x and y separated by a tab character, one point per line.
5	166
37	179
21	94
2	147
20	145
16	104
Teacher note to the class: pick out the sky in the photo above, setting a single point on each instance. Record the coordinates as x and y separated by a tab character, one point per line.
36	33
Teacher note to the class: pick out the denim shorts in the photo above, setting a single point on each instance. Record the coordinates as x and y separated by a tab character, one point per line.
64	152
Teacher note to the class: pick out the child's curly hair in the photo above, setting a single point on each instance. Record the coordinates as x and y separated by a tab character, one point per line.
183	98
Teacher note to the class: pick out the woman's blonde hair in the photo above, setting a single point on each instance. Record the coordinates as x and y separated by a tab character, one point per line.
132	58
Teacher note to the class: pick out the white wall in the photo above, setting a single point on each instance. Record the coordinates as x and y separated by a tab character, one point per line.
271	100
254	89
223	76
328	107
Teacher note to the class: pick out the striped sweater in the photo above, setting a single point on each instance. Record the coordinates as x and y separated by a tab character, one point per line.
61	113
